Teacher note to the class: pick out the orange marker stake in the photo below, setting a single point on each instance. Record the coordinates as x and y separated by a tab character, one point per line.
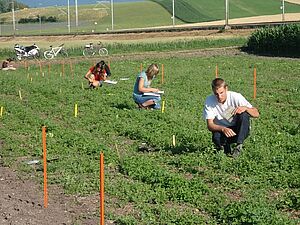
45	167
217	71
63	68
254	83
49	69
162	73
71	68
101	188
40	67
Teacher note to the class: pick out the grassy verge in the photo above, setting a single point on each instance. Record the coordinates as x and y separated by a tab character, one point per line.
124	48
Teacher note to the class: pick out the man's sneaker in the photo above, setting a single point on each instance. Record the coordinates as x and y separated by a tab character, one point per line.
237	151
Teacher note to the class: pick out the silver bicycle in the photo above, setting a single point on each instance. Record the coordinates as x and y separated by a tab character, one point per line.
54	51
91	50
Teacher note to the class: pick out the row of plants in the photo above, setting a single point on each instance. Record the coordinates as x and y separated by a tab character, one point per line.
188	183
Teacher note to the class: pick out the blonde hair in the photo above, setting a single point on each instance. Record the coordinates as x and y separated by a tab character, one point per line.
152	70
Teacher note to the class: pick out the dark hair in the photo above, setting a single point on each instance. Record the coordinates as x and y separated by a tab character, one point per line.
217	83
102	65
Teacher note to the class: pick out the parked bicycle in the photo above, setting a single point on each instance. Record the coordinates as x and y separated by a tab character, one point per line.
54	51
91	50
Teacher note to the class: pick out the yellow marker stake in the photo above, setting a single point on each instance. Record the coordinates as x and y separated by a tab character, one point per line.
76	110
30	79
20	94
82	85
1	111
174	143
163	107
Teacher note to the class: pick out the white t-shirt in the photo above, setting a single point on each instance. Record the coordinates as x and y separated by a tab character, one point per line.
215	110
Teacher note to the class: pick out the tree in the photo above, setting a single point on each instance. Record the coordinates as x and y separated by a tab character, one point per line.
6	6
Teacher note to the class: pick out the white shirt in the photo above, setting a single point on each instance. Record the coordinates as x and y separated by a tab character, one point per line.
216	110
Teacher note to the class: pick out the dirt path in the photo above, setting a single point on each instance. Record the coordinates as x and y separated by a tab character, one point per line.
22	203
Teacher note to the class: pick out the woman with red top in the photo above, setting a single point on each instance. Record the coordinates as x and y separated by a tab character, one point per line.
97	74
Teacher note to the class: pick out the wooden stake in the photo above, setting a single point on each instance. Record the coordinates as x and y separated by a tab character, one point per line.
163	106
40	66
101	188
75	110
217	71
1	111
254	83
49	68
174	142
141	69
63	68
162	73
20	95
71	68
45	167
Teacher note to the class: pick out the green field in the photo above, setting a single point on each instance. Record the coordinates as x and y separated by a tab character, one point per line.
97	18
188	183
202	10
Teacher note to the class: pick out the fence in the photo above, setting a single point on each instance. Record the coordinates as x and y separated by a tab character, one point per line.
104	16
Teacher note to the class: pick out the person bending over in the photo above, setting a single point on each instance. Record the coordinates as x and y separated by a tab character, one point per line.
227	115
7	65
97	74
142	86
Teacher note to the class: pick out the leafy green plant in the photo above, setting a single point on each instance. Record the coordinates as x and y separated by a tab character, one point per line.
278	40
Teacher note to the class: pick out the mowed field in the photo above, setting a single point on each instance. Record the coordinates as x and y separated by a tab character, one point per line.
160	167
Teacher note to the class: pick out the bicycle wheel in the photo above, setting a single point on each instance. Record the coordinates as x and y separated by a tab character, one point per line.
64	53
48	55
103	51
87	52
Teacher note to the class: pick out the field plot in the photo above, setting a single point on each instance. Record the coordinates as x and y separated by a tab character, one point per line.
148	179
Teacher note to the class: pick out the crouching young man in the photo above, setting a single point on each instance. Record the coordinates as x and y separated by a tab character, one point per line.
227	115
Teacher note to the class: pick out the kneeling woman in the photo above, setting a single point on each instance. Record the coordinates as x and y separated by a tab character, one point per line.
142	85
97	74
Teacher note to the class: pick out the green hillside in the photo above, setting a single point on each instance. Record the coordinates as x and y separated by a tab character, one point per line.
95	17
202	10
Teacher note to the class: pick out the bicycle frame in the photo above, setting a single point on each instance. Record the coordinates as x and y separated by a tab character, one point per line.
56	50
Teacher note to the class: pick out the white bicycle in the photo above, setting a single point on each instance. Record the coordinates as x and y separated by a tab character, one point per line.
91	50
54	51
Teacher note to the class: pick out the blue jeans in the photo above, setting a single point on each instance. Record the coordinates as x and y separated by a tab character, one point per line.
140	99
241	128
